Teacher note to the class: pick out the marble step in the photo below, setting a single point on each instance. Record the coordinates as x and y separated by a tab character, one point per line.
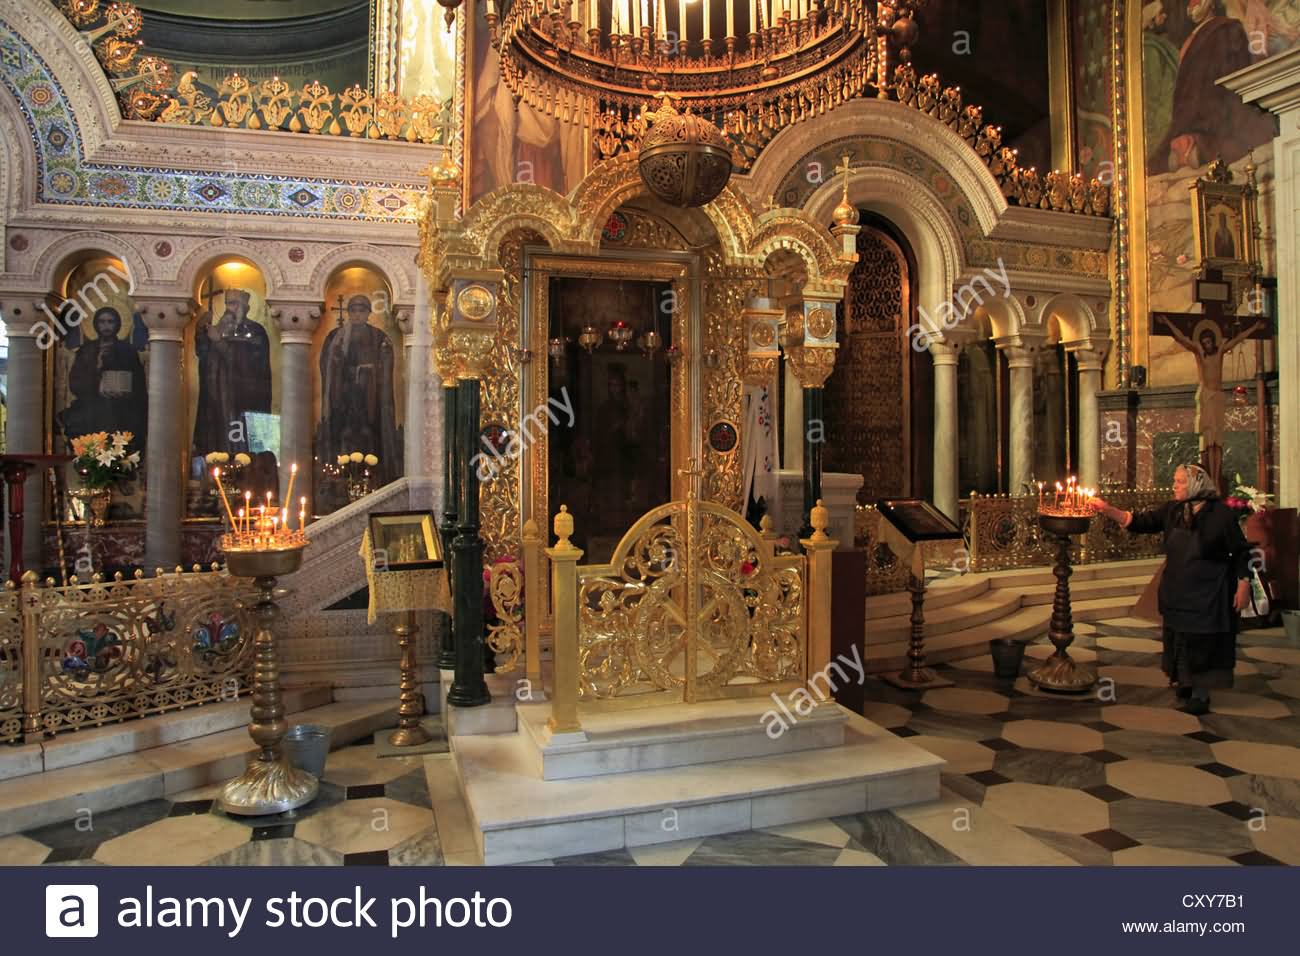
941	593
517	817
42	798
676	735
495	717
1028	577
1025	624
112	740
996	604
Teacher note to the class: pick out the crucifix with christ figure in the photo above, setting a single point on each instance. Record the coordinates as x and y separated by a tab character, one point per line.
1209	335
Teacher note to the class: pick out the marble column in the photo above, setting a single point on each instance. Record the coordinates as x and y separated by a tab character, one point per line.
944	357
164	485
25	417
297	322
1090	367
416	455
1020	409
1273	84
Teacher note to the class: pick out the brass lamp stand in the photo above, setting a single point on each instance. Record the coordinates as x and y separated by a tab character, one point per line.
270	784
1061	672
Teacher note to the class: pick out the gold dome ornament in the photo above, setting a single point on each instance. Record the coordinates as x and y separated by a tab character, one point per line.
685	160
845	214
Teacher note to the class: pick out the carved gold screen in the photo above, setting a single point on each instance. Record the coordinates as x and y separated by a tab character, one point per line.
694	605
868	395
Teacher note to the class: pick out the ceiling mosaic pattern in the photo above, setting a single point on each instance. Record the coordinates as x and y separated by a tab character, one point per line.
65	177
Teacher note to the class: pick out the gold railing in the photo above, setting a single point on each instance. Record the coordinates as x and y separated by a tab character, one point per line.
694	604
106	651
1002	532
273	104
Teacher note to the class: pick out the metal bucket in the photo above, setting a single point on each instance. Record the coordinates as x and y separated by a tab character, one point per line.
1291	621
1007	654
306	746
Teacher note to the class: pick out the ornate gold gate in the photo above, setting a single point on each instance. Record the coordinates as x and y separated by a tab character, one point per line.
694	604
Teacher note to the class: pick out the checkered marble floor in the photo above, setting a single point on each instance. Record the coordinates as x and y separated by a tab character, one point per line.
1118	777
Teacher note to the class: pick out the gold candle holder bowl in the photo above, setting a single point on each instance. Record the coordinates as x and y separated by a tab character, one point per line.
1066	523
270	784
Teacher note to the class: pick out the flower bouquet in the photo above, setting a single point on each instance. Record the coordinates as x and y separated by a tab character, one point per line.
1246	499
355	466
101	462
232	473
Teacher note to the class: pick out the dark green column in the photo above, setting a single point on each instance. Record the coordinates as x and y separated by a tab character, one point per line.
468	689
812	453
450	504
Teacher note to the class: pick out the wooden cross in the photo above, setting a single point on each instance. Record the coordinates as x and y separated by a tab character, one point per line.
1209	335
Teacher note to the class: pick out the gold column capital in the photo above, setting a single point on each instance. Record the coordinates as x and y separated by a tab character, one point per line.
812	364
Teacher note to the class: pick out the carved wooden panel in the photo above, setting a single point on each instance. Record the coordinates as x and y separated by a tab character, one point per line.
868	426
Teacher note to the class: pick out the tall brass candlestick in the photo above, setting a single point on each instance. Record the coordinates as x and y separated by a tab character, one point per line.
270	784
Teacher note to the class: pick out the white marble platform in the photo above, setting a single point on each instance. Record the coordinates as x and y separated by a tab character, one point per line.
623	741
517	816
495	717
113	740
38	799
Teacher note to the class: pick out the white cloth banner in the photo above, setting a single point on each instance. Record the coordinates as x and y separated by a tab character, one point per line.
762	451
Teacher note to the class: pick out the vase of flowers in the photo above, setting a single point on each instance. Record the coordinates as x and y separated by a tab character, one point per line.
232	473
355	467
101	461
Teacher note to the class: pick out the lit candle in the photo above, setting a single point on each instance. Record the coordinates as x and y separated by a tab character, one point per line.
248	510
1040	496
239	526
302	512
216	473
293	473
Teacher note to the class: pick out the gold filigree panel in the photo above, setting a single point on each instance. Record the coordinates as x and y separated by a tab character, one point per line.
726	291
11	666
694	603
114	650
1003	532
886	572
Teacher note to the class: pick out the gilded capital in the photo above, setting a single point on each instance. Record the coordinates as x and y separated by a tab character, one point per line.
812	364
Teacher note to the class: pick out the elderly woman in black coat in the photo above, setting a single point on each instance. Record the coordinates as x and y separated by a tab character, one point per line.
1206	581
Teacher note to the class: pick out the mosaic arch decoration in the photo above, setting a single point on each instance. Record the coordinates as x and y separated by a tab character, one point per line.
799	184
65	177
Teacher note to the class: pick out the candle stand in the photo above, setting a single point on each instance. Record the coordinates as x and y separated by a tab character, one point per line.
270	784
1060	672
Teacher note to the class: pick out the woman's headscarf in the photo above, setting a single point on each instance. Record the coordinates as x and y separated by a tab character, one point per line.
1200	486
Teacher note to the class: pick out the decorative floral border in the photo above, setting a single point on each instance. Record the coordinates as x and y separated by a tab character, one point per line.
64	177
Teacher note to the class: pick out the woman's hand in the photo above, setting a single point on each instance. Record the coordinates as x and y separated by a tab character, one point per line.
1097	505
1242	599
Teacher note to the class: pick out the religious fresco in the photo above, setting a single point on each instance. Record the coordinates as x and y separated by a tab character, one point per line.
359	387
1189	121
511	142
100	368
1091	60
232	374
